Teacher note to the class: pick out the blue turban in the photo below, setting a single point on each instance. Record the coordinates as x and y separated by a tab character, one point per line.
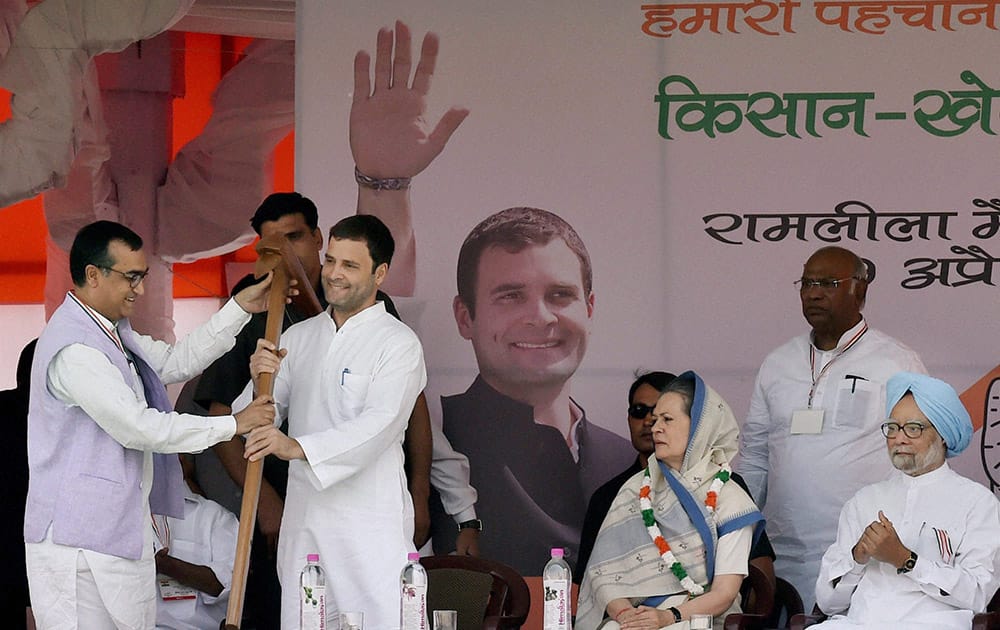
939	402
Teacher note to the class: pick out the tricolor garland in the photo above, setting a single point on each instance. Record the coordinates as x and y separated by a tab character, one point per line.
661	543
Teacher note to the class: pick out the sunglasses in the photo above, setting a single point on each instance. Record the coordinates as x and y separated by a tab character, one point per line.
639	411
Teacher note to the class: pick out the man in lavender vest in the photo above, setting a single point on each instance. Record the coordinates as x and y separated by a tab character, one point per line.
98	412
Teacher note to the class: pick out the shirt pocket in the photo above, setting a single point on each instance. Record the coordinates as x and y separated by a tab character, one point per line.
936	542
857	405
352	393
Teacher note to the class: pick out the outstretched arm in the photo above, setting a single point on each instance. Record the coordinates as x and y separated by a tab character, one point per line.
390	139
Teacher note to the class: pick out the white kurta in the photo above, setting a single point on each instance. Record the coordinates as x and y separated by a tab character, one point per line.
83	376
450	475
950	522
801	481
348	395
205	536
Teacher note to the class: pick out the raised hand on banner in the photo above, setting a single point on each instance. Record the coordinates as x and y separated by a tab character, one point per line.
389	136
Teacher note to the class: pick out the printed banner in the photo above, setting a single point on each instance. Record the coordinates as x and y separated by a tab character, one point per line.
694	154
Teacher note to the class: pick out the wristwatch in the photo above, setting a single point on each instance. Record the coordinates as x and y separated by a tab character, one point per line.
677	614
909	564
475	524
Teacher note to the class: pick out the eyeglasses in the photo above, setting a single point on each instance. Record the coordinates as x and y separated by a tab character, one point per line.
827	286
134	278
639	411
912	430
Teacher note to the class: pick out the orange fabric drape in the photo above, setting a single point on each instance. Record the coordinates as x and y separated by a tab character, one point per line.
22	259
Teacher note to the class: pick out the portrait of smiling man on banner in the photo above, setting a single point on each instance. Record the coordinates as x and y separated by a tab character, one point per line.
526	302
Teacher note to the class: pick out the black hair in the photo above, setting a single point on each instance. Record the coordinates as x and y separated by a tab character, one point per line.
90	247
277	205
656	380
513	230
369	230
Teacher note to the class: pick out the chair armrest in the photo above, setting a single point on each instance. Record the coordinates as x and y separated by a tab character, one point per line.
803	620
744	621
986	621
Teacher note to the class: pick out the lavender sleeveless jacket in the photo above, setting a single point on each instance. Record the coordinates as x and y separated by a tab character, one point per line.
81	481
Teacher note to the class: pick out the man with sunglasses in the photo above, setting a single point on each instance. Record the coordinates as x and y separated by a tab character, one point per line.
921	548
811	439
642	397
98	412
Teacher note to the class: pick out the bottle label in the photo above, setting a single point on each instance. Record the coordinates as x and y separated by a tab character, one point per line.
556	609
312	607
413	607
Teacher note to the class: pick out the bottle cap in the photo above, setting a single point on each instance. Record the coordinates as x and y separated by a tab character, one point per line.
413	557
312	557
557	552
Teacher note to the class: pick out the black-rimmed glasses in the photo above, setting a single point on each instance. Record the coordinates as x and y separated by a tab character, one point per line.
912	430
134	278
639	411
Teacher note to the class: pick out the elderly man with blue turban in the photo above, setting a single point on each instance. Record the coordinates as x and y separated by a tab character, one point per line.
920	549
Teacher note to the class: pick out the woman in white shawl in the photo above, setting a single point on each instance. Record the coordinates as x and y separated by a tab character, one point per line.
677	537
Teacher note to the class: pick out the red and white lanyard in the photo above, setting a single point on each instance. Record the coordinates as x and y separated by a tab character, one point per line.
841	351
161	528
111	332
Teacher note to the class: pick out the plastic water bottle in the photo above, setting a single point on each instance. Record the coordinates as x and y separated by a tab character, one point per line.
312	595
413	595
556	580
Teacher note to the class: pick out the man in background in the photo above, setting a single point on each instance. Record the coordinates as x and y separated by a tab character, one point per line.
15	607
810	439
194	561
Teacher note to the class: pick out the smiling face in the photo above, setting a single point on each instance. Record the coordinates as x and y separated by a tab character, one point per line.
671	429
919	455
641	429
108	291
305	243
349	282
532	316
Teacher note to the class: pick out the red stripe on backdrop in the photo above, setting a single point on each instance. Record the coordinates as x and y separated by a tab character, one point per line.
22	258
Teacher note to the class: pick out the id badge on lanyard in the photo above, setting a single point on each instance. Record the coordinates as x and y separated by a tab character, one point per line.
809	421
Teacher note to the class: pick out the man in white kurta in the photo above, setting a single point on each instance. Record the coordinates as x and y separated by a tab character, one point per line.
920	549
811	438
206	538
347	384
